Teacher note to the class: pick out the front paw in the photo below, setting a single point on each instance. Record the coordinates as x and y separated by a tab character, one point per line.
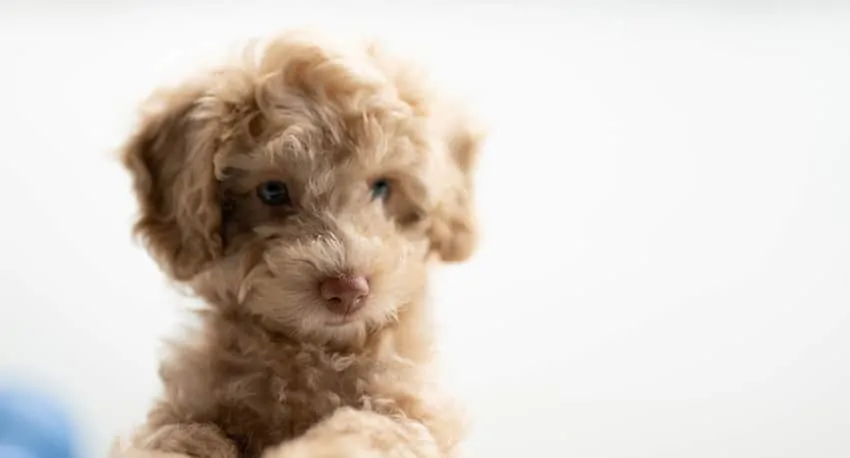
342	435
123	450
341	447
188	440
350	433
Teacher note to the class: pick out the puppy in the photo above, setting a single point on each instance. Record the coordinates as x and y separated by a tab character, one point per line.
302	193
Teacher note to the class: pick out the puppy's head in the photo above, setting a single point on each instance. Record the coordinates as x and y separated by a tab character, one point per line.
307	186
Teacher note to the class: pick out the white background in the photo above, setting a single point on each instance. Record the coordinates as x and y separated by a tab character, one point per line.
665	202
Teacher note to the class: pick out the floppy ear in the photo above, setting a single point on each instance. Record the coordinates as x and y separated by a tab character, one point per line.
171	160
453	230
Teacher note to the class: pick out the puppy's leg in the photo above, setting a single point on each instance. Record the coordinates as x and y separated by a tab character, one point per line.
192	440
132	452
351	433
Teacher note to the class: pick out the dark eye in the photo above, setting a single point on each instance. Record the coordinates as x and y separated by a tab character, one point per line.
381	189
273	193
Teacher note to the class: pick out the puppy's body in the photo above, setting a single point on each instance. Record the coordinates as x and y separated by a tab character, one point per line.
259	388
268	186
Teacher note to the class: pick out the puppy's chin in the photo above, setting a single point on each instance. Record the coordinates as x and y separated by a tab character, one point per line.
346	331
352	332
310	322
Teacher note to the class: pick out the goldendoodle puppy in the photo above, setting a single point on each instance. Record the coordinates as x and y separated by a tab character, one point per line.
302	193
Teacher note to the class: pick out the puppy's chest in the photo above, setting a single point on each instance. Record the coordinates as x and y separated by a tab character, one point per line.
271	400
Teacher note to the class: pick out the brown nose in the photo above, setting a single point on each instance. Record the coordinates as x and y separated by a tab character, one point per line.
344	294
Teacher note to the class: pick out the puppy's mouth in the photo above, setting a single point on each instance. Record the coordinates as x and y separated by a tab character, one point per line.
338	323
341	321
348	317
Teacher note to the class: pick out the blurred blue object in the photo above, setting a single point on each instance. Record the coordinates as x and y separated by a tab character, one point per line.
33	425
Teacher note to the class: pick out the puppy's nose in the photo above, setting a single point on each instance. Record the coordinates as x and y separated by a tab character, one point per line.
344	294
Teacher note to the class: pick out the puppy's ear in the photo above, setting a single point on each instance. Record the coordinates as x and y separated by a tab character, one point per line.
171	160
453	231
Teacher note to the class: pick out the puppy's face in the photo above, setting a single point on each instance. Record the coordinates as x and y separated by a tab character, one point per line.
307	188
325	235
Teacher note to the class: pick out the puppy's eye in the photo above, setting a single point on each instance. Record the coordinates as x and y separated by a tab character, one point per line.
273	193
381	189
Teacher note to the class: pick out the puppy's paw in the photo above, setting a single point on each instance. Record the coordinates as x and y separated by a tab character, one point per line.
351	433
121	449
339	448
177	441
